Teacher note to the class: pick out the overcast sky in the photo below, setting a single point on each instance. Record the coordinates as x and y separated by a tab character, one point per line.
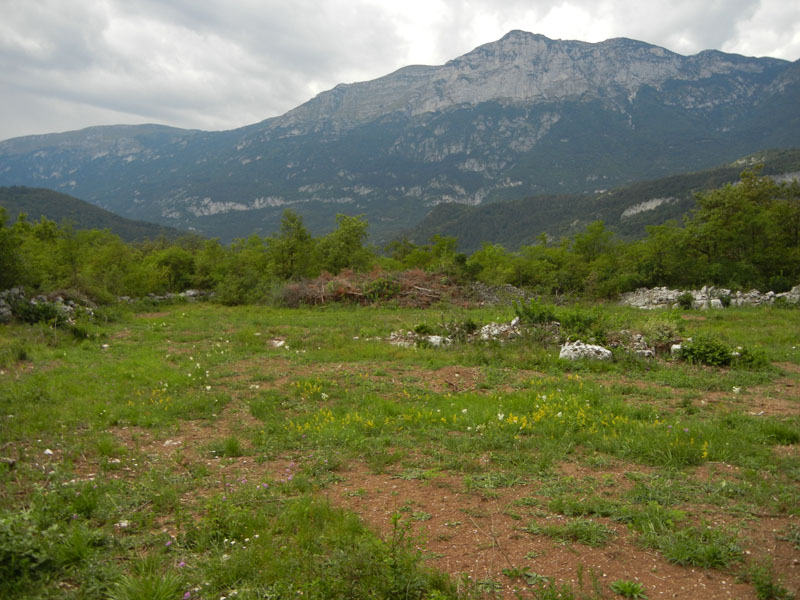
220	64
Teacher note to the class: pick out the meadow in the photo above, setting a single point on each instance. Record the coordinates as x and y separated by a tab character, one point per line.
200	451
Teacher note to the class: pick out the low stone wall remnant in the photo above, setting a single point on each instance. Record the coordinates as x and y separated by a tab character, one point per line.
706	297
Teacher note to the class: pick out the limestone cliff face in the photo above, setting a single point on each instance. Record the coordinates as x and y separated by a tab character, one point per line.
524	69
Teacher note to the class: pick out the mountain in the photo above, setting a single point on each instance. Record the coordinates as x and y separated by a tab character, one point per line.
521	116
61	208
626	210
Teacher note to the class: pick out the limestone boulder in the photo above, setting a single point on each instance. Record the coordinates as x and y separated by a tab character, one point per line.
578	350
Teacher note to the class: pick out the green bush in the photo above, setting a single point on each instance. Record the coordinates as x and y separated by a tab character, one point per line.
662	330
750	359
686	301
535	312
707	350
582	323
382	288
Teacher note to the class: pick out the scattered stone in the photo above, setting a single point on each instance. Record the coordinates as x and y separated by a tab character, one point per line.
493	331
497	295
578	350
632	342
48	452
402	338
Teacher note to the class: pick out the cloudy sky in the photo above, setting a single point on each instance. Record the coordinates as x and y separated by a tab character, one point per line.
220	64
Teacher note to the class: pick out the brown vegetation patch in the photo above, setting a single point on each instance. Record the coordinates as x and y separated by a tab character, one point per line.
414	288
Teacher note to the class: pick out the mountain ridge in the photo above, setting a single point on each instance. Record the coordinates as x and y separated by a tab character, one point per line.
519	116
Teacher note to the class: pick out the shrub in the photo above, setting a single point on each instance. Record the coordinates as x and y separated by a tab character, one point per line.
424	329
662	330
707	350
582	323
535	312
382	288
750	359
38	312
686	300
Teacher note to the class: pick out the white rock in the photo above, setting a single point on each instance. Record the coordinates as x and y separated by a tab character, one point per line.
577	350
437	340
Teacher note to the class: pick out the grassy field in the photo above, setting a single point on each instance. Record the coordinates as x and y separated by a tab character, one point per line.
208	452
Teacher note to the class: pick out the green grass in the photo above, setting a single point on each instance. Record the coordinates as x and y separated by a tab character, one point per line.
141	526
583	531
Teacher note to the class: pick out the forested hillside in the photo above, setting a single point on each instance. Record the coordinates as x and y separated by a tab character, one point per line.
36	203
627	211
740	236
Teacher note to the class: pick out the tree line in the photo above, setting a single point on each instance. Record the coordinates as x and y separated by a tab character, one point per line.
741	236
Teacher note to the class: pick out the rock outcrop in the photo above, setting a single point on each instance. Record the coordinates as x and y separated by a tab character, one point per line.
706	297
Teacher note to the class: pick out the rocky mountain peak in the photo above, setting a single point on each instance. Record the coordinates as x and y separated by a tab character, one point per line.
519	68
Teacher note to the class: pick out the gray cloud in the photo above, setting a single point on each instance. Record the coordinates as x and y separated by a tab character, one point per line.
220	64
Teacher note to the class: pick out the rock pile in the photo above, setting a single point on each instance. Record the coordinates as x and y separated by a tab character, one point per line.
63	306
493	331
633	342
706	297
